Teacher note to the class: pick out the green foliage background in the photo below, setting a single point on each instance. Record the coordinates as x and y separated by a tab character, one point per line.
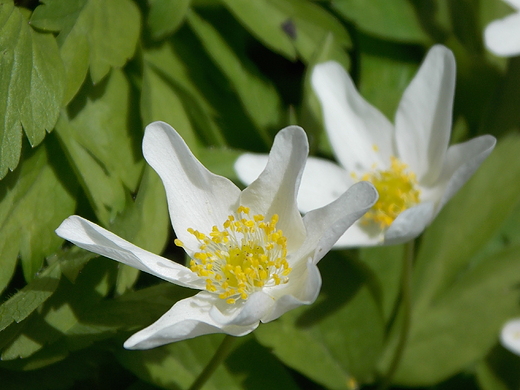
79	81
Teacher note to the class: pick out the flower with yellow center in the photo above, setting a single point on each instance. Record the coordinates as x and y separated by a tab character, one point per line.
252	254
409	163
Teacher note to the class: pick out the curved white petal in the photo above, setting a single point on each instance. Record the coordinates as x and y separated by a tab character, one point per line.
188	318
409	224
322	183
353	125
423	119
327	224
246	314
510	336
94	238
462	160
502	37
275	190
356	236
303	289
197	198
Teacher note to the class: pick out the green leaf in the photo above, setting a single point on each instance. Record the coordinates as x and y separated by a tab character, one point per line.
144	222
343	330
27	300
61	316
160	102
465	320
70	373
102	138
256	368
289	27
258	96
176	73
93	33
186	359
31	85
385	71
18	307
395	20
385	262
500	370
35	199
166	16
477	211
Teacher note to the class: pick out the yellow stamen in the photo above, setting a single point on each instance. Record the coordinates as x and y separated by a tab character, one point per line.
245	256
398	190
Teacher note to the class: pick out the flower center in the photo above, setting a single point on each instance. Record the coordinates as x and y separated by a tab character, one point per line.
246	255
397	188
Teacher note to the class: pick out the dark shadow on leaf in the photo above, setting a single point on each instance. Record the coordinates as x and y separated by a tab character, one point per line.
343	277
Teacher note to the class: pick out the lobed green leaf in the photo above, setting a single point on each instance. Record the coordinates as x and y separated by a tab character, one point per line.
93	34
102	141
31	85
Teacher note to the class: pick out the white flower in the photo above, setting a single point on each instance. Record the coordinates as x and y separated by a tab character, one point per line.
252	255
410	163
510	336
502	36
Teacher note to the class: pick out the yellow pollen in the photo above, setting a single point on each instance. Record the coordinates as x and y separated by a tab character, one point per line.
249	253
398	191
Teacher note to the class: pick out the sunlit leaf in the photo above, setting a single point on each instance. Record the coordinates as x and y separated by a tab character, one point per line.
343	330
468	221
165	16
291	27
144	222
32	81
102	138
465	320
92	33
176	74
159	101
396	20
33	202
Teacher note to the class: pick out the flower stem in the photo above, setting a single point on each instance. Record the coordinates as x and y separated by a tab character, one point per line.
406	305
220	355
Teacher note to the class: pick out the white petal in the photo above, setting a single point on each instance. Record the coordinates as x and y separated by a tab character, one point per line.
514	3
94	238
322	183
409	224
327	224
510	336
423	119
462	160
502	36
188	318
197	198
353	125
356	236
247	313
274	192
303	289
